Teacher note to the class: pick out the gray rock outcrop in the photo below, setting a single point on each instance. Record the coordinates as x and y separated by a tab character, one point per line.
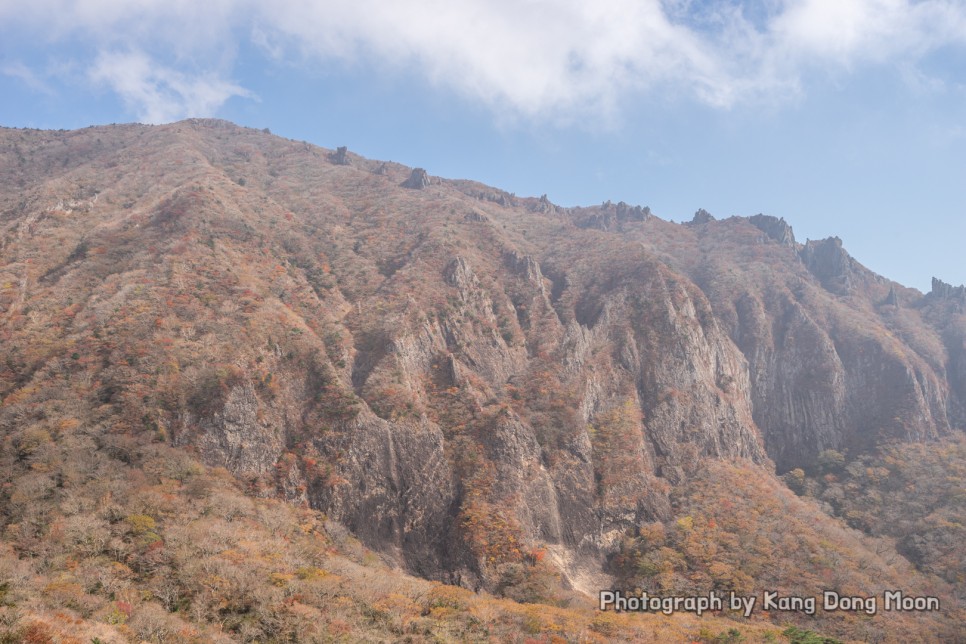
943	291
542	205
610	216
827	260
340	156
892	299
702	216
418	179
776	228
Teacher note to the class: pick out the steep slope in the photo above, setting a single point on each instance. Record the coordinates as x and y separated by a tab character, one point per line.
490	390
838	357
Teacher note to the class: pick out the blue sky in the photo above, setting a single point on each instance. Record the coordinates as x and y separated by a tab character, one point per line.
846	117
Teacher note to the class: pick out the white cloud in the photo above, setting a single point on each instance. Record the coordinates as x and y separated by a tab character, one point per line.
534	56
537	58
159	94
189	25
848	31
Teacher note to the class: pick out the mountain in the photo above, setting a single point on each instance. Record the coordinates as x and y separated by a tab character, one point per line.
487	391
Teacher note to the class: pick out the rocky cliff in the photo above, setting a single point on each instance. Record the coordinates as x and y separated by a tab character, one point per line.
460	377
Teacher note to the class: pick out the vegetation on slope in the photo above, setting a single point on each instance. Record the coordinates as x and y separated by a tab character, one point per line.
487	390
737	528
911	492
111	537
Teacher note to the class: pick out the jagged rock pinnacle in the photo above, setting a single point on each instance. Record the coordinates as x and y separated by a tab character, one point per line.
417	180
892	299
944	291
777	229
339	156
702	216
827	260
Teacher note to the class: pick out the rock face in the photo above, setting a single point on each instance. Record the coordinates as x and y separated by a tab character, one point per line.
459	385
340	156
625	212
543	205
398	491
817	389
611	217
417	180
943	291
500	197
777	229
828	261
825	374
892	299
702	216
235	437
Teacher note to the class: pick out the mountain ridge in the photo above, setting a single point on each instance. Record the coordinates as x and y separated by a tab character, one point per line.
462	377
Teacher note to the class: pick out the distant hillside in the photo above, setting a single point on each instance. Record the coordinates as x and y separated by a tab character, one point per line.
494	392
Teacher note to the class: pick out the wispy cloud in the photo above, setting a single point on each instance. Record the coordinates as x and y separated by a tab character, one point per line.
536	58
158	94
27	76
